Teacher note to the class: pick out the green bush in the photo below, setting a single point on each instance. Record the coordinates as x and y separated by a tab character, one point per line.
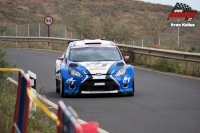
40	123
6	97
162	65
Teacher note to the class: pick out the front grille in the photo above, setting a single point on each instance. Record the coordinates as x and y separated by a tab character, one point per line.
88	85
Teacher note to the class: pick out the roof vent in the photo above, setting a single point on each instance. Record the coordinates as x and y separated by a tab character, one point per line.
93	43
120	64
73	65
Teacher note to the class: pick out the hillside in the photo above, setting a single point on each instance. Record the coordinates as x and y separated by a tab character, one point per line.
146	20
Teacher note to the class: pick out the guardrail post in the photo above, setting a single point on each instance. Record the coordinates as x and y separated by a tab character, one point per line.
65	32
16	30
151	61
28	30
135	56
187	67
39	29
59	31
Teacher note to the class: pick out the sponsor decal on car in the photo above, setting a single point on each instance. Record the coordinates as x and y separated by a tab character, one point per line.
125	80
97	66
70	81
98	74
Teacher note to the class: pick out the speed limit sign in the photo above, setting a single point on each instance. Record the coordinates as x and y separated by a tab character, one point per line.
48	20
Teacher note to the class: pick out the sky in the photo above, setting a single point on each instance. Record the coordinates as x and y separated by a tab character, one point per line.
194	4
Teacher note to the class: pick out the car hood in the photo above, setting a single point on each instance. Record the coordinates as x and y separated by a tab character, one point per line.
97	66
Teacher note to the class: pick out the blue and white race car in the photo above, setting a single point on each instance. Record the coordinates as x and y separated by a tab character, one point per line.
93	67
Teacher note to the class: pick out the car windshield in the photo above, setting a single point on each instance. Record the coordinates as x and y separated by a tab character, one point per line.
94	54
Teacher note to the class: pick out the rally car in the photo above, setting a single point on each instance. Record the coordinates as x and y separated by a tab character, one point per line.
93	67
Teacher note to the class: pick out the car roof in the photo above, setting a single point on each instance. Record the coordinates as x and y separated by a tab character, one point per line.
91	41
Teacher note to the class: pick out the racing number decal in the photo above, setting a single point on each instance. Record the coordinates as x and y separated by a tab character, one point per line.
126	80
70	81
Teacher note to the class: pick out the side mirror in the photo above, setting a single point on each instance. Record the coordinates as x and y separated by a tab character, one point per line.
126	58
60	58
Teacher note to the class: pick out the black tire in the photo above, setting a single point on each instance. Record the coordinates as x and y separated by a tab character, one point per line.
62	90
132	94
133	86
57	86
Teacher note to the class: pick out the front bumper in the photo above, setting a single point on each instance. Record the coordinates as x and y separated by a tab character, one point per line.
99	86
99	92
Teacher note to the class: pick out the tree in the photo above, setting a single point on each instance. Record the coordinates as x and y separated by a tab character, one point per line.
81	22
107	26
123	32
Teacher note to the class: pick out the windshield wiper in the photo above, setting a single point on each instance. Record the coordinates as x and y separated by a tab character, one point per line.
103	60
74	60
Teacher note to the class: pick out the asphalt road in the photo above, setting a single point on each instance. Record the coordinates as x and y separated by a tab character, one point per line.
162	103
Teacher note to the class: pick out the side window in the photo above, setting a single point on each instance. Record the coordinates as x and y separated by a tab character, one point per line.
66	55
64	58
67	52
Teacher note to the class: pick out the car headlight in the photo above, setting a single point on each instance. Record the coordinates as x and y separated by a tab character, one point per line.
73	72
121	71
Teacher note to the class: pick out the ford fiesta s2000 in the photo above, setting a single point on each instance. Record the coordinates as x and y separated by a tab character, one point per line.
93	67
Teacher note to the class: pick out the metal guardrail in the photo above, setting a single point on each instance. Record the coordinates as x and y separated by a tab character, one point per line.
35	39
171	54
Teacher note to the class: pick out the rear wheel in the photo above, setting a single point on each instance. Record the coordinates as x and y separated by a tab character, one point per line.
62	89
57	86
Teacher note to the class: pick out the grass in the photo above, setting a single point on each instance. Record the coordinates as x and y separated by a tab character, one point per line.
41	122
7	103
168	65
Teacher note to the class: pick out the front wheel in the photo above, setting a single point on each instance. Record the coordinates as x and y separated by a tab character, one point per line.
133	87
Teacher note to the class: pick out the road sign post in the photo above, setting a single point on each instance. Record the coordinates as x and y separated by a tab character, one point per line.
48	20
